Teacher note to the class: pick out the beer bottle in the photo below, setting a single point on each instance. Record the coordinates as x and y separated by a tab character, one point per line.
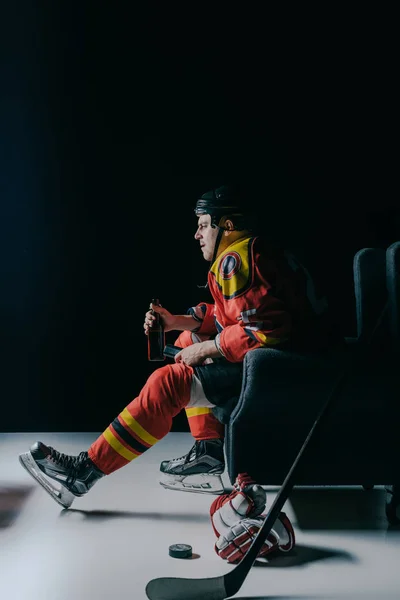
156	337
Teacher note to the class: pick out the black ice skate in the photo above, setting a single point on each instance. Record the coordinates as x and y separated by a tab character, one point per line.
198	471
76	474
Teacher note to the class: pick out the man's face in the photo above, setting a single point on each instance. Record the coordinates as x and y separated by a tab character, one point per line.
207	236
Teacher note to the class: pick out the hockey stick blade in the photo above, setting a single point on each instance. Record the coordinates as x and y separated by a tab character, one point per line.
226	586
177	588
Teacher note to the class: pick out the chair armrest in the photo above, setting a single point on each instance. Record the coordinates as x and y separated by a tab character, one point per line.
276	375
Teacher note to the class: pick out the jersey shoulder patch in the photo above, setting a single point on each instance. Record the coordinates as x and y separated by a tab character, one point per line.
233	271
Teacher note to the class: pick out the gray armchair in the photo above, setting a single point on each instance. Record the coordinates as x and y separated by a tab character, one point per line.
282	393
393	288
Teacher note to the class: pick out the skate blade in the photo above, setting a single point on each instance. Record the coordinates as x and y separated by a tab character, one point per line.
61	495
197	484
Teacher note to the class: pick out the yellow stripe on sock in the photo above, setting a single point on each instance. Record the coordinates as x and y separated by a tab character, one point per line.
195	412
117	446
138	429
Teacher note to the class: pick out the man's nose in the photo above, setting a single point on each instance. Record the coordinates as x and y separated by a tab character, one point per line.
197	235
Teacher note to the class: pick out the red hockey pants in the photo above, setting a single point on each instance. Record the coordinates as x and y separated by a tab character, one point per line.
148	418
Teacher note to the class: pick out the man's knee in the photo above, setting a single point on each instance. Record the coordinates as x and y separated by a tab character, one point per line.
171	383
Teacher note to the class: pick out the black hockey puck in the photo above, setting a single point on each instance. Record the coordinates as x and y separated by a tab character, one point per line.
180	551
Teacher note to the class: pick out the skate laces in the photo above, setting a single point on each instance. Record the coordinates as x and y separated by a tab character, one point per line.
186	457
193	452
72	463
198	447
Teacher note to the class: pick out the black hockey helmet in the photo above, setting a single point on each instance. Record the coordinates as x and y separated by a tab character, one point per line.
224	201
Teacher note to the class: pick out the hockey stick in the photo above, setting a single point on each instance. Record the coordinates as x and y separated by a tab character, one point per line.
225	586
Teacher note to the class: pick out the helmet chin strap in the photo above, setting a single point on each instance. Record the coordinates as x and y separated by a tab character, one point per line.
217	243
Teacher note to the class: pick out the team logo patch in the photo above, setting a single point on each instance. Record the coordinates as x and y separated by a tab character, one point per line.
233	272
230	265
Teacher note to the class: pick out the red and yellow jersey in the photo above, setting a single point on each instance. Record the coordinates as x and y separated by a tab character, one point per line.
262	297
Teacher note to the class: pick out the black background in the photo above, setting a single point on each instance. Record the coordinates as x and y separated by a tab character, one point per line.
112	123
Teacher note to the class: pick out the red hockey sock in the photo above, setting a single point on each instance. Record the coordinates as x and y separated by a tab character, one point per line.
145	421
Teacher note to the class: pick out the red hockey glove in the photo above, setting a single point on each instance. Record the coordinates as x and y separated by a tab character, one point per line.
237	517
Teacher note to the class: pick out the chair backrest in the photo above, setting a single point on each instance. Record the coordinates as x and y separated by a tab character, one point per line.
369	270
393	289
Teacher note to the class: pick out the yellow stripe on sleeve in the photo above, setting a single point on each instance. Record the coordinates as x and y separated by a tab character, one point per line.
117	446
138	429
266	340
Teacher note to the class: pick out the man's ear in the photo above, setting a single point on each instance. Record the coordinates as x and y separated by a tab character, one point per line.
228	226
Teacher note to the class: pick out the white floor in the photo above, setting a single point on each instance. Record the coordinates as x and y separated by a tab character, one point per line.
109	544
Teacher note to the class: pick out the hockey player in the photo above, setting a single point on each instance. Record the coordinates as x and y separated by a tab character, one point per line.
262	297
